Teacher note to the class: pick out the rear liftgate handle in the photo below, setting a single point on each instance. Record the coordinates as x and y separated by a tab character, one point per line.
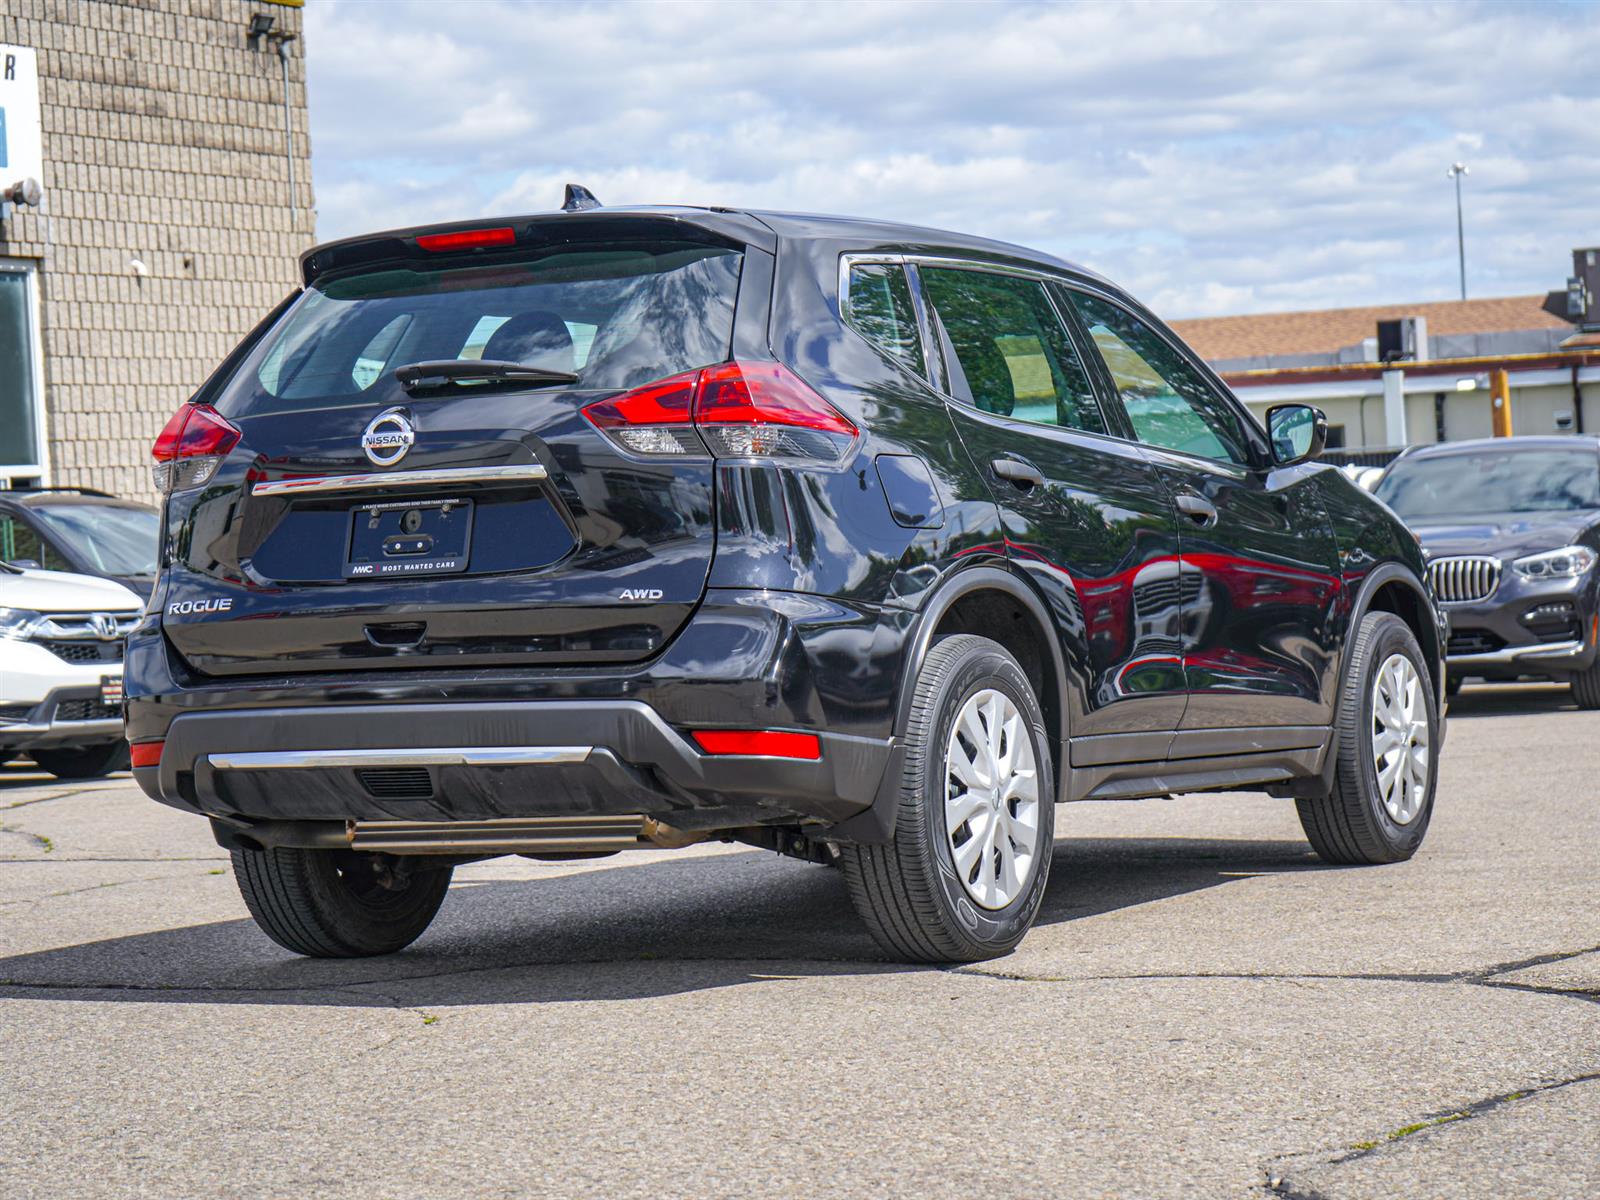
1197	508
1019	472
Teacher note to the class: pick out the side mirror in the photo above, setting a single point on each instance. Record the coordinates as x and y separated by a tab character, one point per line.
1297	432
27	564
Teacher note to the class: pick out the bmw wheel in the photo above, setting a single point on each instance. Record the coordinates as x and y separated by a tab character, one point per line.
965	873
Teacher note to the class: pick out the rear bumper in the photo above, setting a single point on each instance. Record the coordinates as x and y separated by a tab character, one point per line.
745	660
475	762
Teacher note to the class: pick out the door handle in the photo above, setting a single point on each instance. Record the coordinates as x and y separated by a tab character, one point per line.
1023	474
1197	508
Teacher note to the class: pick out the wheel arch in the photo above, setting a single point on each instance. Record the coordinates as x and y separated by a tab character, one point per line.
1391	587
994	603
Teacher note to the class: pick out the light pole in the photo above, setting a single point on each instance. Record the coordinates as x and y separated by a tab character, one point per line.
1456	171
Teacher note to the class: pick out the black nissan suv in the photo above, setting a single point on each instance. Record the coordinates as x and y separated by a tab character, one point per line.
564	534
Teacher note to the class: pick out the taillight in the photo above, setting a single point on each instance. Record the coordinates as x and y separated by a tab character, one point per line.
467	239
191	447
734	409
656	419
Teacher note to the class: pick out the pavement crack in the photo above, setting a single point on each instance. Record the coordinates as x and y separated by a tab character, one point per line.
1301	978
43	843
40	800
93	858
79	891
1424	1125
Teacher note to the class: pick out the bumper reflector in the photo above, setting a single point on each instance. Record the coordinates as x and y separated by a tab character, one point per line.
146	754
766	743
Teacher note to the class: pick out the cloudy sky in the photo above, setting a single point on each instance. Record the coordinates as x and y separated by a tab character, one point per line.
1215	158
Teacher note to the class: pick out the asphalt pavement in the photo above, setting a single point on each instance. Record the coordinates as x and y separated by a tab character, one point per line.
1202	1010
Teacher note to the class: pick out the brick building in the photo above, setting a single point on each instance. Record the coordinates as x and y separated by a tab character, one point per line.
165	225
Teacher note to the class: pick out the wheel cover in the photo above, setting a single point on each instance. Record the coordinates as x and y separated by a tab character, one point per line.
1400	738
991	807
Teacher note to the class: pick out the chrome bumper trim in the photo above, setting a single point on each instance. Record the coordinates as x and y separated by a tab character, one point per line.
544	835
377	481
454	756
1516	654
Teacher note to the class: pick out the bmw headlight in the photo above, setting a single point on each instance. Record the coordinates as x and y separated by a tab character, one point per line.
1564	563
18	623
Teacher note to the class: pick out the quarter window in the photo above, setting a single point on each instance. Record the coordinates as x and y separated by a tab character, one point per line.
1168	402
1011	355
878	307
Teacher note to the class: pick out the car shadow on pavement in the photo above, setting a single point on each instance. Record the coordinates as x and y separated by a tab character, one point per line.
611	934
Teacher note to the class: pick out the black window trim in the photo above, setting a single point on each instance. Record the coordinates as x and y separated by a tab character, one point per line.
1111	409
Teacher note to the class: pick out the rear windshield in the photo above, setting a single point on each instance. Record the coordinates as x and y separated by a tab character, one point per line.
615	316
1458	485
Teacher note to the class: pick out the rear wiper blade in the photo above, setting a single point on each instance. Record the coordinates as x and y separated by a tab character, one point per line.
452	370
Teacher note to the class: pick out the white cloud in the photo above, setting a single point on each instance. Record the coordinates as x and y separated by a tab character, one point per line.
1214	157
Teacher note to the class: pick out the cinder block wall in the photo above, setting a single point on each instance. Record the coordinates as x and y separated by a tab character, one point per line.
163	142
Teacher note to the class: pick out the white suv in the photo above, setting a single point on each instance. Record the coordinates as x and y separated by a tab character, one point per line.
61	669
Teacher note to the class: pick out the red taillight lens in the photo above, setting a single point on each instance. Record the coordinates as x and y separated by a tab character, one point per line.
657	418
738	410
146	754
191	447
767	743
467	239
764	394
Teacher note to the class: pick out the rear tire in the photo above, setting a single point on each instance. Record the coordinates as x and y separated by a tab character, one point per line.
339	903
913	894
1586	687
87	762
1362	821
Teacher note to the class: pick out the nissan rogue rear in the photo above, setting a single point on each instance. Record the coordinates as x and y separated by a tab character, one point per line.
613	528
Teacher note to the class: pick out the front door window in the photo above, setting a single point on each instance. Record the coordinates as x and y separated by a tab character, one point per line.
1168	402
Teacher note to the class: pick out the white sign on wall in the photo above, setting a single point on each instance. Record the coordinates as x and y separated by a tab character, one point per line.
21	135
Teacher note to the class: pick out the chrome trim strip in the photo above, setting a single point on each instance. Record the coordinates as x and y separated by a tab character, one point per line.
1514	654
455	756
548	835
375	480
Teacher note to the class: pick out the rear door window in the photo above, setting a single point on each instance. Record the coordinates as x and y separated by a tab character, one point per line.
878	307
617	316
1012	356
